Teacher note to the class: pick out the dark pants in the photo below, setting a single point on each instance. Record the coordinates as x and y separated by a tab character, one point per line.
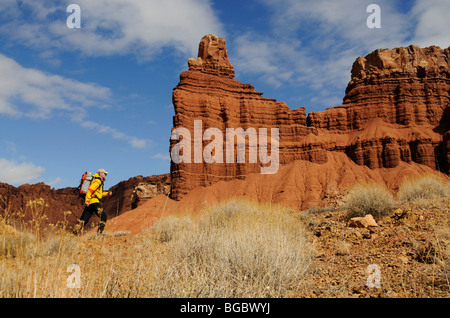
86	215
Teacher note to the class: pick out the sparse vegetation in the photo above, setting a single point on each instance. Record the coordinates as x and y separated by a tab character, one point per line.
424	187
239	249
371	198
172	227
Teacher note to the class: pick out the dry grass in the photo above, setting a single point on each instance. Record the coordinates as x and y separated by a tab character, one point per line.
434	247
427	186
370	198
238	249
235	249
429	192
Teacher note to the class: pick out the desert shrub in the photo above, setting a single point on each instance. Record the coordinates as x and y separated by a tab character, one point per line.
221	215
342	248
435	250
424	187
58	244
170	227
372	199
14	245
238	249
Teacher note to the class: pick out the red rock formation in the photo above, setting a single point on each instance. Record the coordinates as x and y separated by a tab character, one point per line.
300	184
131	193
408	87
394	121
54	203
209	93
126	196
212	58
393	112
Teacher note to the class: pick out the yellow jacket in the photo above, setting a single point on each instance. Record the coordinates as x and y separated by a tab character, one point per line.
95	191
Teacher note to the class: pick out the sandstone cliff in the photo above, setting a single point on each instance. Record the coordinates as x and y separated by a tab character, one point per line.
131	193
394	122
407	90
396	110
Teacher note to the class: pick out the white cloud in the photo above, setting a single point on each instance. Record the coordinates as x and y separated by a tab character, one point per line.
285	62
138	142
114	133
313	43
338	25
161	156
433	23
110	27
33	93
15	173
54	182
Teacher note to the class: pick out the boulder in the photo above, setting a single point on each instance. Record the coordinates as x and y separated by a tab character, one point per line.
362	222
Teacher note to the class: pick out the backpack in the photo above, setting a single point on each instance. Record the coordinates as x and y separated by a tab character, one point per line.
85	182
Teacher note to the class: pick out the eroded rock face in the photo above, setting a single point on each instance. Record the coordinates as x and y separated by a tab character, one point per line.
394	110
131	193
407	88
212	57
22	204
145	191
208	92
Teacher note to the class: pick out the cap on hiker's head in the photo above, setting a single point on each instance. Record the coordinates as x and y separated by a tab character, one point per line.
102	171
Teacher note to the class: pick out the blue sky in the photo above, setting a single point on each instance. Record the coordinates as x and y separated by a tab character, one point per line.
99	96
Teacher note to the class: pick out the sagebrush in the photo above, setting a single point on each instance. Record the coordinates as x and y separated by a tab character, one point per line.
423	187
237	249
372	198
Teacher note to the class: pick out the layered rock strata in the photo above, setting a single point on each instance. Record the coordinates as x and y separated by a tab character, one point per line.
395	110
406	87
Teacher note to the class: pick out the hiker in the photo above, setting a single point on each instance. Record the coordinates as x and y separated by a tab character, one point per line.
92	203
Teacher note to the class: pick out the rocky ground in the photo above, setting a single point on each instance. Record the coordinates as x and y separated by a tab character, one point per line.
408	250
404	254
